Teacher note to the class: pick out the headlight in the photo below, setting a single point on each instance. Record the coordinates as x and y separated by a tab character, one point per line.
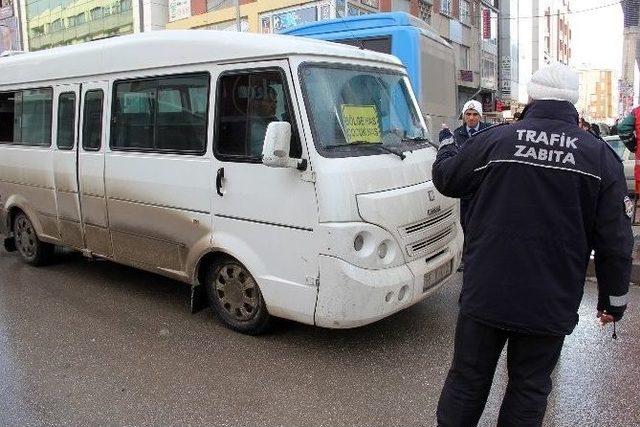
362	244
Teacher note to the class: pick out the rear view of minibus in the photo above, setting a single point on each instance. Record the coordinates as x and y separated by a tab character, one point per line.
386	237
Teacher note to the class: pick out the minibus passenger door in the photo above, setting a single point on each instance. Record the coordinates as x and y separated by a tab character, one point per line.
93	205
266	216
65	163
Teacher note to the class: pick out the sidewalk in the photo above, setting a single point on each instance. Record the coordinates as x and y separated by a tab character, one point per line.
635	268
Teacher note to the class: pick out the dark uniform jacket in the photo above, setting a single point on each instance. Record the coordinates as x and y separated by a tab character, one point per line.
544	194
461	135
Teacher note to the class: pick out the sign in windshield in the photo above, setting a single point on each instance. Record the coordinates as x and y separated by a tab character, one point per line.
361	124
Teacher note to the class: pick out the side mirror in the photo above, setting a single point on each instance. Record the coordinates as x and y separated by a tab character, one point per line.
277	142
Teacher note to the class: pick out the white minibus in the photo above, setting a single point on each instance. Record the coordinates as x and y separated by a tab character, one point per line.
277	176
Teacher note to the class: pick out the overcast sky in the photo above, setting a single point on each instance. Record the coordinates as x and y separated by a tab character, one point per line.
597	35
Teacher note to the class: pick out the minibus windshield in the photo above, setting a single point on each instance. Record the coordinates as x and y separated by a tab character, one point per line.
361	111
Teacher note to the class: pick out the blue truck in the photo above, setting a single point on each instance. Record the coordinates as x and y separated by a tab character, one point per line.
429	59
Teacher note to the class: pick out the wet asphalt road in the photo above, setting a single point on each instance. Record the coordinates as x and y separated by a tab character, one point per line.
93	343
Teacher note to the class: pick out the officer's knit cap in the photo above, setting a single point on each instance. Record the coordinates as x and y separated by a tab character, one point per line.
472	105
555	82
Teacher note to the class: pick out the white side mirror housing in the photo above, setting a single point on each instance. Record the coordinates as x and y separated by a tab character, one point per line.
277	142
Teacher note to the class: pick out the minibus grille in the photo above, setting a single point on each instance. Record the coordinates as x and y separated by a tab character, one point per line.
414	228
432	243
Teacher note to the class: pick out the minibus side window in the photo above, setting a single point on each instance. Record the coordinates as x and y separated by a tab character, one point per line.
9	117
25	117
66	120
92	118
166	114
246	103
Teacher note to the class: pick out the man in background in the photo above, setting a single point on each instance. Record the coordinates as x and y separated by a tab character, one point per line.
471	117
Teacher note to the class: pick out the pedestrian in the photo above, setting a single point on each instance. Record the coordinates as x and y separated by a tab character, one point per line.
545	194
584	125
595	129
629	130
471	117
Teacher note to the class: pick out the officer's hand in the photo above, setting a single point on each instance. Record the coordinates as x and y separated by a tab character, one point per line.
445	133
605	317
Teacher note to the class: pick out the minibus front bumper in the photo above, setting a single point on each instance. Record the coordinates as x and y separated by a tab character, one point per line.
350	296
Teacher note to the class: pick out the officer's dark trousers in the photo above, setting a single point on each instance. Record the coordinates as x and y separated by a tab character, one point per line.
530	361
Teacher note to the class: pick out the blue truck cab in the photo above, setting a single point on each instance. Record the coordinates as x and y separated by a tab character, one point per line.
428	58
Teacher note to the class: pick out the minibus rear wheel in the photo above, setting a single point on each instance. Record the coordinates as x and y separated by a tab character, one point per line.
235	298
33	250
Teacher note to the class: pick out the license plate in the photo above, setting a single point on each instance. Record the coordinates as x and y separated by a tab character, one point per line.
436	276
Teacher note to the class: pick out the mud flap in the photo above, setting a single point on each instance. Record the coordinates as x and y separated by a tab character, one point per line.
10	244
199	299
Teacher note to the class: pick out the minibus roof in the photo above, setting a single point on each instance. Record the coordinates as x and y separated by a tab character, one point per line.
167	48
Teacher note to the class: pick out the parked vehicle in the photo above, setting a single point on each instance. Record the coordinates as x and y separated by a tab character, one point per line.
628	159
285	177
429	59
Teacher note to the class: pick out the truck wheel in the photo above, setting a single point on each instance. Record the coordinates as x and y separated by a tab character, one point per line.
235	298
32	249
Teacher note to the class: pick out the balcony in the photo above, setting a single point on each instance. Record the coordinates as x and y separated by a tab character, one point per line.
107	25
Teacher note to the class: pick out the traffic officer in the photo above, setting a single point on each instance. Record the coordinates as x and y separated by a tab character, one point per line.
472	123
545	194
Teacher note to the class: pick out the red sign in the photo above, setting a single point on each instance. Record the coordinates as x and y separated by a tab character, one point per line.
486	24
466	75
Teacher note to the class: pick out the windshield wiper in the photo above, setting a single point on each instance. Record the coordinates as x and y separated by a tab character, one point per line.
418	139
371	144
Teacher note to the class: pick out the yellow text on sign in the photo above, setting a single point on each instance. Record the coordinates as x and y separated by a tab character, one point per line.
361	123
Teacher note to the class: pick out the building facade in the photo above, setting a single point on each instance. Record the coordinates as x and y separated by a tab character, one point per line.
262	16
10	38
42	24
470	25
532	34
596	95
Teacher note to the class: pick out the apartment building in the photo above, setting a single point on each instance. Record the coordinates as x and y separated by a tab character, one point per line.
596	95
42	24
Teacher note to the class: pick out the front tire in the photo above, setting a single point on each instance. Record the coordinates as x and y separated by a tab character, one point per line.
235	297
33	250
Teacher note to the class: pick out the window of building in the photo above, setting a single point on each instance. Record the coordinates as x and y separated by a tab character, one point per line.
161	114
246	103
66	121
463	57
92	120
37	31
219	4
56	25
97	13
425	11
465	12
446	7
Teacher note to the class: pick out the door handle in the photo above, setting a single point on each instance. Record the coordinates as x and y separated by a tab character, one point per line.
219	177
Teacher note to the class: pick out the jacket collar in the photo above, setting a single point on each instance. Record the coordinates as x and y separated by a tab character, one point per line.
548	109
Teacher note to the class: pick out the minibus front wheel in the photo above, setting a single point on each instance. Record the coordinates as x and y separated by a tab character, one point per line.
235	298
33	250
